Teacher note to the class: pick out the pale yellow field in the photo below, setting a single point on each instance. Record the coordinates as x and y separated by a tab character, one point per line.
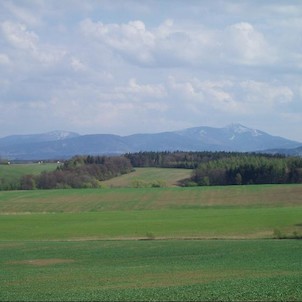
148	176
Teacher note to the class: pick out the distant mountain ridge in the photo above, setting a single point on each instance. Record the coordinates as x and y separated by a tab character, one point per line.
288	152
35	138
64	144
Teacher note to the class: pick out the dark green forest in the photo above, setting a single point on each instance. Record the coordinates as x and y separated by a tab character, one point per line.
249	169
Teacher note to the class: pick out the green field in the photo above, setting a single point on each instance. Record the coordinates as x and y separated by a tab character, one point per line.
158	224
13	172
148	176
178	213
249	270
127	199
17	170
142	244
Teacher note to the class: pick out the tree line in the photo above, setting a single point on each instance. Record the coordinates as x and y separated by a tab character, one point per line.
79	172
248	169
176	159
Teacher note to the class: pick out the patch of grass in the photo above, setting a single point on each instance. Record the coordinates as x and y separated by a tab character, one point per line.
148	177
152	271
15	171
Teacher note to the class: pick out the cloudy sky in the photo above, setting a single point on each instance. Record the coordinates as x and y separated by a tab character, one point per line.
130	66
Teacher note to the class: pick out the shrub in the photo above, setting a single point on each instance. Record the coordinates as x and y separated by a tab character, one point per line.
190	183
139	184
150	236
158	184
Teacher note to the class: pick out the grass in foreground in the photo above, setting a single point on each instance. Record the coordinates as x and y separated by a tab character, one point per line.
151	270
36	266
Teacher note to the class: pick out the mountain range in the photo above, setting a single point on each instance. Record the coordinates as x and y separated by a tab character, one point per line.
64	144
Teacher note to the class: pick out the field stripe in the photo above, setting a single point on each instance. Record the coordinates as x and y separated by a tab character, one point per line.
201	223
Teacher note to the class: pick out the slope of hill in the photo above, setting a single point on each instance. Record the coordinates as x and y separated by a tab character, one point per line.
288	152
62	144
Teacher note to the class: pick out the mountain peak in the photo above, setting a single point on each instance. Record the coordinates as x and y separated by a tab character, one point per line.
236	127
60	135
240	129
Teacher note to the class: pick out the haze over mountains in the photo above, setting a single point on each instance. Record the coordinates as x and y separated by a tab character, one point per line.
64	144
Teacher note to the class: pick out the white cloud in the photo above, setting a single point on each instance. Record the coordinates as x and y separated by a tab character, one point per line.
23	39
22	14
4	59
18	35
132	40
141	91
171	45
77	65
184	89
232	97
202	95
166	44
265	94
246	45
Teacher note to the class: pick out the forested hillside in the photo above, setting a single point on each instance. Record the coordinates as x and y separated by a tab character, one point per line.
249	169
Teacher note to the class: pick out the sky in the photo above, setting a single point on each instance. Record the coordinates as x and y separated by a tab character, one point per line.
148	66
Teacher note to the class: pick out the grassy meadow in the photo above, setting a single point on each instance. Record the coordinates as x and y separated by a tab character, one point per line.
155	224
168	177
10	175
144	244
15	171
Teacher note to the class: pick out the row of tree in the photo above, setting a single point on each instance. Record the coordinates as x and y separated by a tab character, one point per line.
248	169
79	172
178	159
